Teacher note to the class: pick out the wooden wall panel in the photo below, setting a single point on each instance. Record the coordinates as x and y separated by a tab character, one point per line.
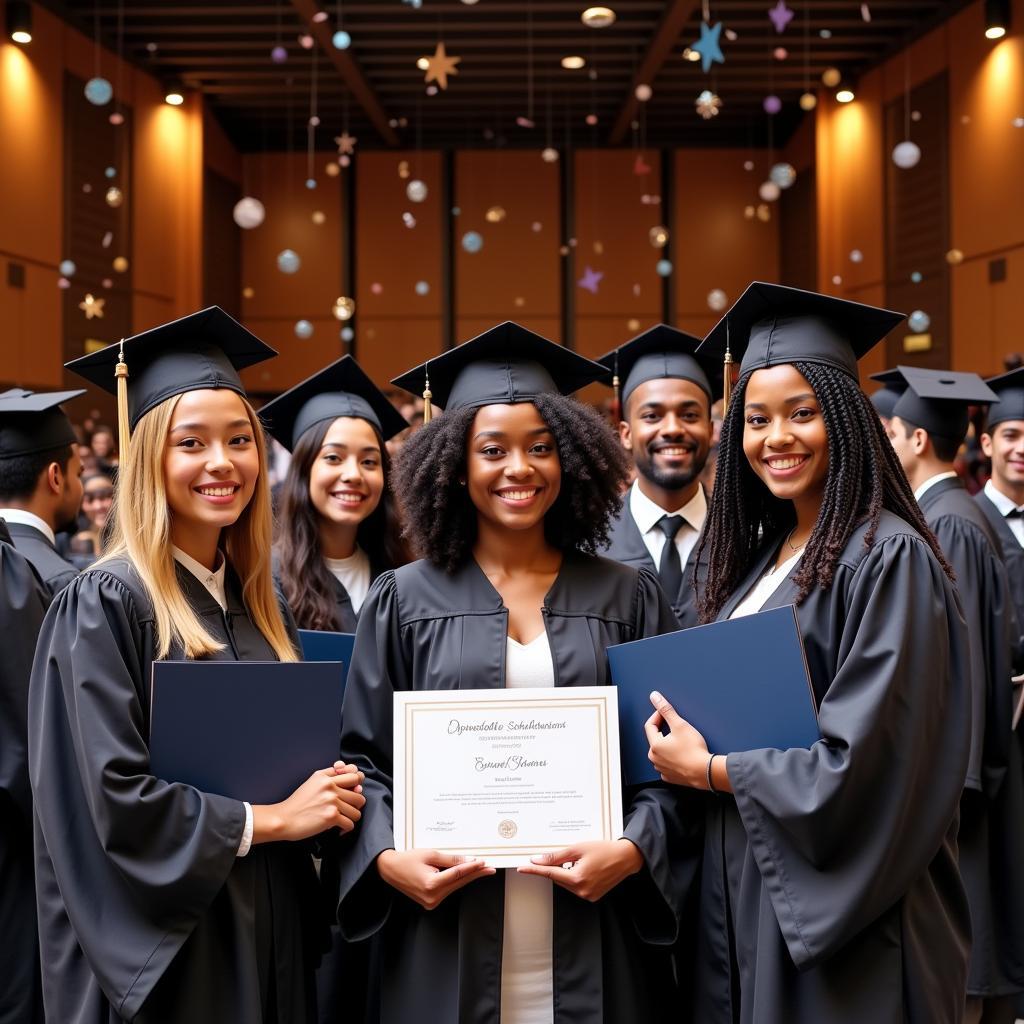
517	273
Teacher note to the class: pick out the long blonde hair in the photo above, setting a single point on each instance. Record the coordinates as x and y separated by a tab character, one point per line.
142	532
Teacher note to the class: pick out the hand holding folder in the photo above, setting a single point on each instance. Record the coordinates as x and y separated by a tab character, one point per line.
741	683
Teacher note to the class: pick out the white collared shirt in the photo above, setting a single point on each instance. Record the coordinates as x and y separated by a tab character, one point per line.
931	482
646	514
23	518
213	580
1004	504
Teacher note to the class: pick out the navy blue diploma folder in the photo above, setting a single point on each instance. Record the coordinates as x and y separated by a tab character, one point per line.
322	645
742	683
250	730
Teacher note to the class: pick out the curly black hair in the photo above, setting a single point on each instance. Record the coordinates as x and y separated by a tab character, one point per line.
864	476
441	520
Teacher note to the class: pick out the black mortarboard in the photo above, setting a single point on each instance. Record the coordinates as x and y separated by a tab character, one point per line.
662	352
502	366
32	422
885	397
1010	389
201	350
341	389
770	324
936	400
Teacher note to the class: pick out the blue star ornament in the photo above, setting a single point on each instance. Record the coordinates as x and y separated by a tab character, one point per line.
708	47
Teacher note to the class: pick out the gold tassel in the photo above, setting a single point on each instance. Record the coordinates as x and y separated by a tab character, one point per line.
428	411
123	427
727	373
616	391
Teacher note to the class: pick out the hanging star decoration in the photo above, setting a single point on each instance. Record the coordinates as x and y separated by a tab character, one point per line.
708	47
346	144
440	66
91	306
590	280
708	104
780	16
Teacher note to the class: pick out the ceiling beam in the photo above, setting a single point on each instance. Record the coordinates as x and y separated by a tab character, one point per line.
348	69
677	14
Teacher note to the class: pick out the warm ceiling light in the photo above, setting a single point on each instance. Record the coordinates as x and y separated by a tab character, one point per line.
19	21
845	95
691	55
573	63
598	17
997	18
423	63
174	97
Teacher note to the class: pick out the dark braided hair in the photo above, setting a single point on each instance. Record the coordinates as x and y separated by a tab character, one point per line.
864	477
440	518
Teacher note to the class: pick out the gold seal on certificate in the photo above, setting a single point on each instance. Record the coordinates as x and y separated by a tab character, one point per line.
506	774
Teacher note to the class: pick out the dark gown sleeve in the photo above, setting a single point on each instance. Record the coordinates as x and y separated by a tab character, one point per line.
139	860
840	831
378	669
664	822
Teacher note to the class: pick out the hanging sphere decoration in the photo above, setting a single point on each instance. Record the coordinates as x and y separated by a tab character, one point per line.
288	261
769	191
341	40
917	277
808	101
344	308
643	92
99	91
120	264
114	197
663	268
347	334
303	329
856	256
279	54
783	174
906	154
416	190
658	236
919	321
954	257
67	268
248	213
549	155
472	241
422	288
717	300
319	217
772	104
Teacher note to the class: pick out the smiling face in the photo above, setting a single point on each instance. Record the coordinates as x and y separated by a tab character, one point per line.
513	474
211	463
784	437
668	431
1004	445
346	479
97	499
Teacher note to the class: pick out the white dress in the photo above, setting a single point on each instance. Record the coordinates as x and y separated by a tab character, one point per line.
527	970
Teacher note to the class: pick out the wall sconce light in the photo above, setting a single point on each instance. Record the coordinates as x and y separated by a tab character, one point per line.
997	18
19	21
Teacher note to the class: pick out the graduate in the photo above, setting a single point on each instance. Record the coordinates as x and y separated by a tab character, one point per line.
927	428
507	495
884	399
1002	499
338	527
158	902
830	889
23	603
40	479
666	398
97	500
338	531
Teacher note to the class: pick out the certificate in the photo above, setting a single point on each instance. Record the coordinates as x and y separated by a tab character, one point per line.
506	774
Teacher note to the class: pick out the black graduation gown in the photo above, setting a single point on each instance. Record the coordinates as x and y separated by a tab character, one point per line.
422	629
626	545
830	889
54	571
991	838
145	912
1012	552
23	603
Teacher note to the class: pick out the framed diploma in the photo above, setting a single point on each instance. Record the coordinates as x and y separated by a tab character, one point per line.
506	774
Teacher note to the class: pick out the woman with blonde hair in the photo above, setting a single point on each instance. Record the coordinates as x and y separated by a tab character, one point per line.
159	902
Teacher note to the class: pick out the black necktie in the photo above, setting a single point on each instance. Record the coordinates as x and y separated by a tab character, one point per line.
670	569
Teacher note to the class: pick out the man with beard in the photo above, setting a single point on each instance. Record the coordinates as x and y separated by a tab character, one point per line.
40	479
666	424
40	492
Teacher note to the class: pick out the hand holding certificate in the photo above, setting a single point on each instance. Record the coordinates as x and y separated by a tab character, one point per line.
505	775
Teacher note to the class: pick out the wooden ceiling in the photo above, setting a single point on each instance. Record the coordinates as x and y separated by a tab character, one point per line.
510	66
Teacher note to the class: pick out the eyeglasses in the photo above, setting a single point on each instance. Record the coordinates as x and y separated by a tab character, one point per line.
105	495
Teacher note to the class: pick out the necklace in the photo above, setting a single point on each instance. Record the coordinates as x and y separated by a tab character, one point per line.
794	547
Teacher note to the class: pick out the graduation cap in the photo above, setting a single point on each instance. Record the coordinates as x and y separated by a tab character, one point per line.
658	353
502	366
1010	389
32	422
341	389
885	397
201	350
936	400
770	324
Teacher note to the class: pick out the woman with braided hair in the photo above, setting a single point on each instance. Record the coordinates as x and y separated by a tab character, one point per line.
830	887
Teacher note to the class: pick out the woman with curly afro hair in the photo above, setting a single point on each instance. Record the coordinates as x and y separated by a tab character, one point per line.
506	496
830	888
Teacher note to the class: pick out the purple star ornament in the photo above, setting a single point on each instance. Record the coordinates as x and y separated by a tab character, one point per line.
780	16
590	280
